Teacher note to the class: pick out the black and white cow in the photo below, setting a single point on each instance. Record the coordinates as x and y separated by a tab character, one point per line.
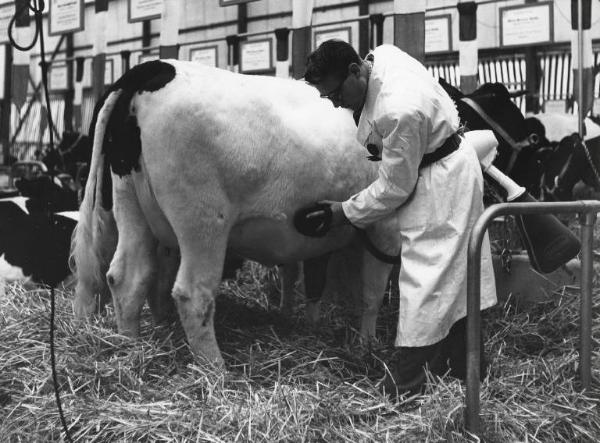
491	107
566	161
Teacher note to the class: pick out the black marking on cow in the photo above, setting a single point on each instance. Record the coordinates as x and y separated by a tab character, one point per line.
122	145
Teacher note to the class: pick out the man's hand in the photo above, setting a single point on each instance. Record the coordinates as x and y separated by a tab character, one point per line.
338	218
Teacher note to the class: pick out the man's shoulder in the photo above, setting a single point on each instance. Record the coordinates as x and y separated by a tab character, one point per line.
393	55
388	49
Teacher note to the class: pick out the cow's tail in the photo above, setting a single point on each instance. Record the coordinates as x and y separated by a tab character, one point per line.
94	239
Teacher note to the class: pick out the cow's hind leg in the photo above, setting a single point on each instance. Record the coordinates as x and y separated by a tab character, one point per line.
132	271
199	275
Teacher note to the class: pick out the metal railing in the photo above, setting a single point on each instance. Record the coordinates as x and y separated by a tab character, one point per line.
587	210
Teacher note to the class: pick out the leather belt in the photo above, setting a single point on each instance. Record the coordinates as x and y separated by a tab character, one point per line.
448	147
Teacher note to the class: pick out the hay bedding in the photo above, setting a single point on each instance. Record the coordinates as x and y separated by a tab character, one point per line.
283	384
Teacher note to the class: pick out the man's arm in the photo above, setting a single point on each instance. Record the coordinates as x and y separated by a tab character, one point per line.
404	142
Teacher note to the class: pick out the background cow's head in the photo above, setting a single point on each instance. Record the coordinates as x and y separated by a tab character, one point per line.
514	136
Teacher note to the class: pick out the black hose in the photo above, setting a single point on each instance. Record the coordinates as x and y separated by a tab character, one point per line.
37	6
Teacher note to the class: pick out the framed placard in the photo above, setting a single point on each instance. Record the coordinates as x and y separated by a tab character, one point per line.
256	56
527	24
58	78
233	2
6	13
207	55
344	34
438	33
109	71
140	10
143	58
65	16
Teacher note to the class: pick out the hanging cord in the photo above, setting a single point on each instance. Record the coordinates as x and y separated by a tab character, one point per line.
37	7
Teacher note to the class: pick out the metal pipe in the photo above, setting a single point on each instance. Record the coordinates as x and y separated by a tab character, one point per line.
585	336
588	207
472	419
581	100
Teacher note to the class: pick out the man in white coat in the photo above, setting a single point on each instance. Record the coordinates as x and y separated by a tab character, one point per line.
431	179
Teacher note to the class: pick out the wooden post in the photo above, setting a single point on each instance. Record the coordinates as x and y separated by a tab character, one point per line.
125	61
467	46
582	56
69	93
301	35
5	104
21	59
363	29
533	77
282	67
409	27
533	80
169	29
146	36
376	21
99	48
78	94
242	20
233	52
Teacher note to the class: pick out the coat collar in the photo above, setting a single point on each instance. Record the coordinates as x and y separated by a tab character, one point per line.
367	116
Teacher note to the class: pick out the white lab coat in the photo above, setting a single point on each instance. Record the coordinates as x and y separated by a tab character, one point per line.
407	114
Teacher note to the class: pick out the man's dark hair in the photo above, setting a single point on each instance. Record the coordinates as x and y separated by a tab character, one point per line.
331	58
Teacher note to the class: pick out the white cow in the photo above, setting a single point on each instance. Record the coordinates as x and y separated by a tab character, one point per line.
204	159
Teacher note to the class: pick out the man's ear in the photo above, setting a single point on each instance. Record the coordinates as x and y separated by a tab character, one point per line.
354	68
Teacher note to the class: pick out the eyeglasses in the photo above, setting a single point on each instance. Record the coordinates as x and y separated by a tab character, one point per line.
336	94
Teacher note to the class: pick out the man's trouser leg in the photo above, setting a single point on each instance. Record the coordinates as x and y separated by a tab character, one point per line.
407	365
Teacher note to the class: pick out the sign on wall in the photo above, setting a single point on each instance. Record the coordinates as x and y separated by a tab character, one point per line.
58	78
438	33
6	13
344	34
140	10
65	16
206	55
256	55
527	24
233	2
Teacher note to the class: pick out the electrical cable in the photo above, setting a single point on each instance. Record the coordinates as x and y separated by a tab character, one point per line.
37	7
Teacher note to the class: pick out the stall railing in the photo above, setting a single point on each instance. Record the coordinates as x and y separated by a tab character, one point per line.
587	210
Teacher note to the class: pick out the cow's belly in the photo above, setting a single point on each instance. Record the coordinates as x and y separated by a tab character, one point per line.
272	242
